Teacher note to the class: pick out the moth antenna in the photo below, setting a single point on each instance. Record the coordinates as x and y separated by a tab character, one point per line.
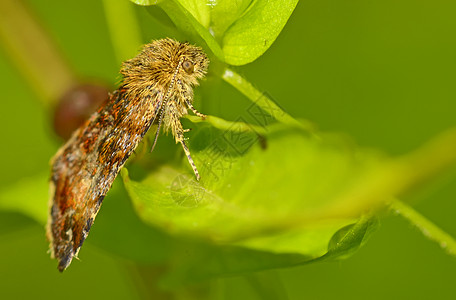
170	88
159	106
158	128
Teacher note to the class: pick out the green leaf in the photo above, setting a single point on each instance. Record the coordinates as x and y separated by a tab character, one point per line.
224	13
283	192
199	9
349	238
251	35
234	203
28	196
193	262
146	2
187	23
237	32
118	230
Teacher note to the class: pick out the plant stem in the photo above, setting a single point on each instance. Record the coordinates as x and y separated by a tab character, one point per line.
262	100
123	28
224	125
33	52
429	229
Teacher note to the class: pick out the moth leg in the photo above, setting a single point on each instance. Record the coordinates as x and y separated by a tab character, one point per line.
190	105
190	159
178	132
188	96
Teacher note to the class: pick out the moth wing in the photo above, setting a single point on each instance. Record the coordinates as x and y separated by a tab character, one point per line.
84	169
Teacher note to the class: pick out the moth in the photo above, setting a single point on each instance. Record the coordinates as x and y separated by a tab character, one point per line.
156	87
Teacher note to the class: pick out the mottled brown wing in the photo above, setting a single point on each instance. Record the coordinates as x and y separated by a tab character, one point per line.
84	169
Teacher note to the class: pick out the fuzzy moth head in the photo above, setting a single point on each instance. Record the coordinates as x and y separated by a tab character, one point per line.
158	62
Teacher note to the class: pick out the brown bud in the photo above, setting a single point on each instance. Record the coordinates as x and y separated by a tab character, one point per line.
76	106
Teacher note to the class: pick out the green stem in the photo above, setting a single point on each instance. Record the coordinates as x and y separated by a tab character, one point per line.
224	125
263	101
123	28
429	229
34	54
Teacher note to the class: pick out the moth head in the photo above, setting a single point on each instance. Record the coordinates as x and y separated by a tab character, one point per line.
194	63
159	61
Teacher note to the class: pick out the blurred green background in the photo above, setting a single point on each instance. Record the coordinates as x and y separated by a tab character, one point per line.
382	72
